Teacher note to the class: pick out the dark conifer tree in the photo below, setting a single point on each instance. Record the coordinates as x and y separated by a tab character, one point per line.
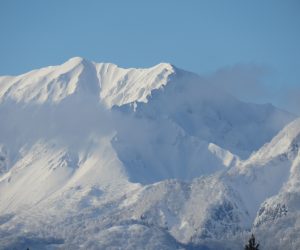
252	245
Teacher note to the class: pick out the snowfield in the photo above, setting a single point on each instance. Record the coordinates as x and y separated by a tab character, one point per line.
94	156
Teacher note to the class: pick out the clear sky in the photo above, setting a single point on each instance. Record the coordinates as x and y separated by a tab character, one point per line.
236	39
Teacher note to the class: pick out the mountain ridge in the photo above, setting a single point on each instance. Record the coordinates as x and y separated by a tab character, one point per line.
90	151
62	81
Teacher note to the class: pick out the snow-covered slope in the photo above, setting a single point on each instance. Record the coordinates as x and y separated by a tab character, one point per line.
207	113
113	85
280	214
120	86
95	156
271	169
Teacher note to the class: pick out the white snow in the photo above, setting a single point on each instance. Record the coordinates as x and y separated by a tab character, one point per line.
93	155
113	85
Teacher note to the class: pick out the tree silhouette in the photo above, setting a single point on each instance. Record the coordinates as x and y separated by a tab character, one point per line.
252	245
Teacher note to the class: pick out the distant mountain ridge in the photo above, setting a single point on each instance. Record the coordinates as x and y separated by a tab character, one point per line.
91	151
113	85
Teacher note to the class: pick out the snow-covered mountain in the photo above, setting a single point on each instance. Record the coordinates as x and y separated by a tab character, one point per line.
96	156
111	84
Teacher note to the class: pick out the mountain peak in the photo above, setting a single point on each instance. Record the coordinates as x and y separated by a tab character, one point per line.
120	86
165	65
281	144
75	61
102	168
116	85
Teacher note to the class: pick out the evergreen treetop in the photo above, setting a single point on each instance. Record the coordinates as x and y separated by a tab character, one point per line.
252	245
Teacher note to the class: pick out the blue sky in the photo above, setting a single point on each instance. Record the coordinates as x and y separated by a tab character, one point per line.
236	39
